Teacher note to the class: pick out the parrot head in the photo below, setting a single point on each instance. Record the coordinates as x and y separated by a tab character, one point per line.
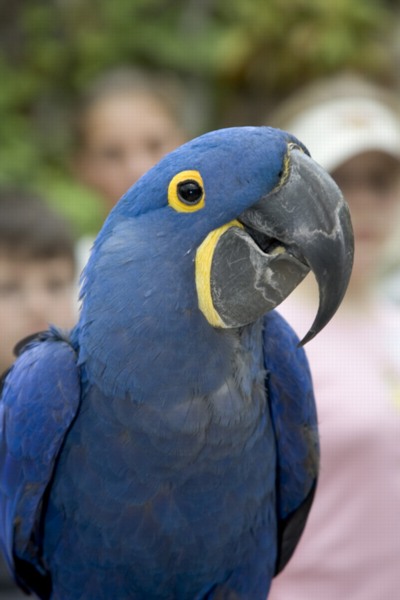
246	213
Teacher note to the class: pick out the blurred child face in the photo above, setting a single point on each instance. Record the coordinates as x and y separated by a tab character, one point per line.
370	183
124	136
33	294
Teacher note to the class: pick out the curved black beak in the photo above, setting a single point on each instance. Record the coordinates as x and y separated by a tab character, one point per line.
310	218
249	266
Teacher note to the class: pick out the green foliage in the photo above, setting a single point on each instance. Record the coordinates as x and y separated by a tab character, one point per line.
305	39
253	49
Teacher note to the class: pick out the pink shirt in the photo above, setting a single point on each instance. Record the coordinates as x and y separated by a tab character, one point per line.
351	546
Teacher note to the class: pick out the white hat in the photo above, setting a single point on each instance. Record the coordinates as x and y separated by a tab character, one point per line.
339	129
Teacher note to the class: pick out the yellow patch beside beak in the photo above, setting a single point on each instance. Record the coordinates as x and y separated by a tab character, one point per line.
203	264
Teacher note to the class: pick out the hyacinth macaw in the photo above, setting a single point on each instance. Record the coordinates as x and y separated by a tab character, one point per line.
167	446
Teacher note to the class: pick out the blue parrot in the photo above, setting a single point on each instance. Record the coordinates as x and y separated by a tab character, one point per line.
167	447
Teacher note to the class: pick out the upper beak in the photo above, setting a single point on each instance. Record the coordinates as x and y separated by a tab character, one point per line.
257	261
310	218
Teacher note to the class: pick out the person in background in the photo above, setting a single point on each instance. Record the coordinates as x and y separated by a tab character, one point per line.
126	122
37	270
351	545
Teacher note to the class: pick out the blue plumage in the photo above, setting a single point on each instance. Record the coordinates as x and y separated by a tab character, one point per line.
150	453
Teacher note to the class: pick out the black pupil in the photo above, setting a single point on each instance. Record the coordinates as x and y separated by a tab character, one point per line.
190	192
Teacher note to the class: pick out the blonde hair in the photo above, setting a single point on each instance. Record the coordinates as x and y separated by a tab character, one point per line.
164	89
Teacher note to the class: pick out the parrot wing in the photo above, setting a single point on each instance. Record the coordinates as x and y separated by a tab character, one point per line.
40	399
294	419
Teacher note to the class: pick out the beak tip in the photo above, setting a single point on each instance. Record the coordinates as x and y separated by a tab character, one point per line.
307	338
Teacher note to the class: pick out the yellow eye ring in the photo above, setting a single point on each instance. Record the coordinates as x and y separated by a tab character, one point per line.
186	192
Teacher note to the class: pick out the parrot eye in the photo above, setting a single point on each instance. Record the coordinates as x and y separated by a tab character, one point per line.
190	192
186	192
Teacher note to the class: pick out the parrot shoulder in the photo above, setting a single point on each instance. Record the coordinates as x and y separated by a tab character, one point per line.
40	398
294	418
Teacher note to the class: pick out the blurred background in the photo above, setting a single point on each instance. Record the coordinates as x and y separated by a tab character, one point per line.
237	59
